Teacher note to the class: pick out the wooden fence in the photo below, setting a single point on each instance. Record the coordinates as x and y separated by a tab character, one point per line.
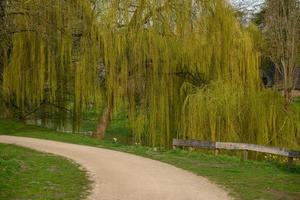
238	146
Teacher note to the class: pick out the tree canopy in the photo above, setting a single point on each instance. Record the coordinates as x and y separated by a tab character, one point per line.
183	68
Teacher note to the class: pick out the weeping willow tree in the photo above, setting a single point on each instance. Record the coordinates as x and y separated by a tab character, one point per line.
188	69
183	68
52	61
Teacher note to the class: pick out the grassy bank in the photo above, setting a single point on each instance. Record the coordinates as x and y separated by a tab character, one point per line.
28	174
244	180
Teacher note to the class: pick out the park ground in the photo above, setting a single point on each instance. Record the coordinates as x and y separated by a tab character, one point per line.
246	180
28	174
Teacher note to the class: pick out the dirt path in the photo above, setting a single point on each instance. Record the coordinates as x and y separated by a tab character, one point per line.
121	176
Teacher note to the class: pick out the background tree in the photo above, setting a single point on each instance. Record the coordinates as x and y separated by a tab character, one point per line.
283	38
52	44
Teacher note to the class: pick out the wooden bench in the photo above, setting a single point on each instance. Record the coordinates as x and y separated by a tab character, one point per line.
238	146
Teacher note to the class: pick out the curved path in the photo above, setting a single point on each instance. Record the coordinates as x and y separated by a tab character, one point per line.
122	176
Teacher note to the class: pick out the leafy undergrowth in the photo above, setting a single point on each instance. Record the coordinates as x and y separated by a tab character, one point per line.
28	174
244	180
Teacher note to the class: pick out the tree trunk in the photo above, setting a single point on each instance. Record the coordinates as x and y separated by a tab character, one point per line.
287	92
103	123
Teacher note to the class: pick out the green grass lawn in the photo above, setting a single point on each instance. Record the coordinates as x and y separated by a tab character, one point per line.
244	180
28	174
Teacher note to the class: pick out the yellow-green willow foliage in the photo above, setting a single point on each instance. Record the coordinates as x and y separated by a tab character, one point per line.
53	61
226	112
188	69
185	68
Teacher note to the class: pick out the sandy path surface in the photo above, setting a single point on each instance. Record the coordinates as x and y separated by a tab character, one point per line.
122	176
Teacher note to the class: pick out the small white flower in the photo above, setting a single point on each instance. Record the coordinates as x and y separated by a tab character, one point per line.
115	139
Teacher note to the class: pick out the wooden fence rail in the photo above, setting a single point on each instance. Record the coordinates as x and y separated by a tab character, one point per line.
238	146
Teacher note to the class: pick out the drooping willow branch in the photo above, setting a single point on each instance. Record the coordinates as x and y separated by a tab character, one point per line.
182	68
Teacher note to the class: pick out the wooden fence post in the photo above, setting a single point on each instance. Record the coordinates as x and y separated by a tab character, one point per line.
174	147
245	155
290	161
216	152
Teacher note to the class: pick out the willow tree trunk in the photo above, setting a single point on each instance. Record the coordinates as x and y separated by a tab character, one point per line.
103	123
